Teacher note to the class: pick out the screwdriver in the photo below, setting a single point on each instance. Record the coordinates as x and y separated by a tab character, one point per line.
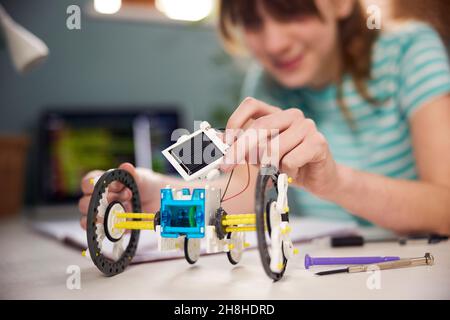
428	259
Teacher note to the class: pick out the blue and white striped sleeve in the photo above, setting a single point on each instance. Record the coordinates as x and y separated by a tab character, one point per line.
424	70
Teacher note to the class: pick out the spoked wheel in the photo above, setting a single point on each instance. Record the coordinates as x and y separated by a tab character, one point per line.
191	250
100	224
263	203
235	254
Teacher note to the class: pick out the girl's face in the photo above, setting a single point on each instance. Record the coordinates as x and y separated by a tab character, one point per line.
301	52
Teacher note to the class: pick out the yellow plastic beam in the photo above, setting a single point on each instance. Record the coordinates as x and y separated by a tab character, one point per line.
233	222
135	225
240	229
240	216
134	215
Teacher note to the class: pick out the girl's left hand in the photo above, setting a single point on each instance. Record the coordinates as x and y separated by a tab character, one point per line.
303	151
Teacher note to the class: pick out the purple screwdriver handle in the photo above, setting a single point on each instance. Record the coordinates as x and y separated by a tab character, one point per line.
311	261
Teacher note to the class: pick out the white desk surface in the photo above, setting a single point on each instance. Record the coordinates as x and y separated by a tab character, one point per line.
34	267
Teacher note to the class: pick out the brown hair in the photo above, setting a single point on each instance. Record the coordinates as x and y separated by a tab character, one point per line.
435	12
356	40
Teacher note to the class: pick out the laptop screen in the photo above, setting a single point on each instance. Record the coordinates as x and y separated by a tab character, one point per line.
73	143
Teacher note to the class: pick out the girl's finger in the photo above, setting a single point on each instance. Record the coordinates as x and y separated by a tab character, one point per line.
131	169
295	135
87	185
280	145
292	161
311	150
83	222
127	206
83	204
249	109
122	196
260	132
116	187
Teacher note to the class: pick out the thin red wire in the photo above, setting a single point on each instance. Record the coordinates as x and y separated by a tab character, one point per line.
243	190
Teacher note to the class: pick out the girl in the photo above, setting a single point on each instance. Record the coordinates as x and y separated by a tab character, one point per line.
363	115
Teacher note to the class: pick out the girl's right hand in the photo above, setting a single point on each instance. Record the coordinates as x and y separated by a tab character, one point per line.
148	183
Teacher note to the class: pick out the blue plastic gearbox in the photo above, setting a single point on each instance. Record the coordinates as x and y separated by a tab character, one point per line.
183	214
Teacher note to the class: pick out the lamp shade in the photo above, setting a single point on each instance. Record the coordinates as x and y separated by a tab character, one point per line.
25	48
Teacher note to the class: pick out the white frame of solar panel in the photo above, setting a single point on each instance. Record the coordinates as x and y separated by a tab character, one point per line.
205	128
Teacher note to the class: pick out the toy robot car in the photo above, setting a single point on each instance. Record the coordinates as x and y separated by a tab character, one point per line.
188	216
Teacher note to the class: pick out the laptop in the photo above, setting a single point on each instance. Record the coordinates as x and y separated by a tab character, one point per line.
74	142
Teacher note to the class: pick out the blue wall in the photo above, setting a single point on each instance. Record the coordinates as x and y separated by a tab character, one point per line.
112	64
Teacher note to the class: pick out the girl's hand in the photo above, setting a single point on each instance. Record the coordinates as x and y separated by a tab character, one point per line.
303	151
148	184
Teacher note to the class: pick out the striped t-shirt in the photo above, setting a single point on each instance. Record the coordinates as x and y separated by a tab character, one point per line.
410	67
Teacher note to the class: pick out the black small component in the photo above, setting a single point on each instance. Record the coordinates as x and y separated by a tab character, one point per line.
105	222
217	222
157	219
435	238
347	241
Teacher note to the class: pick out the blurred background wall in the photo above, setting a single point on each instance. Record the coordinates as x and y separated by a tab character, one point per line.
113	64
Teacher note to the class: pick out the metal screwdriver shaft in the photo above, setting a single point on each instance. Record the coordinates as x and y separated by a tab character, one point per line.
428	259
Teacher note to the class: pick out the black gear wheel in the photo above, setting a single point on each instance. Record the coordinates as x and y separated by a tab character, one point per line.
261	203
217	222
103	263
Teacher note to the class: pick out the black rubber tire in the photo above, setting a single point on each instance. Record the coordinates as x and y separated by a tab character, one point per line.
187	255
269	227
260	207
229	256
105	221
103	263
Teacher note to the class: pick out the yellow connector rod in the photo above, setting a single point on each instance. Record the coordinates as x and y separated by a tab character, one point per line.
240	216
135	225
131	215
240	229
231	222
